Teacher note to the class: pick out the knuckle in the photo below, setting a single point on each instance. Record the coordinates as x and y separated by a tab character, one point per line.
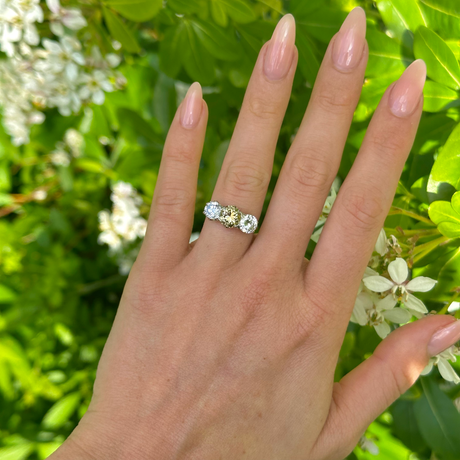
261	108
173	201
335	101
362	207
246	177
181	154
310	174
385	145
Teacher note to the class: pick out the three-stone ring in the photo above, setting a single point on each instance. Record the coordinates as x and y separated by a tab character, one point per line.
230	217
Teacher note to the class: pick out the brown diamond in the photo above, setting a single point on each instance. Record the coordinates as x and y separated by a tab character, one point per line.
230	216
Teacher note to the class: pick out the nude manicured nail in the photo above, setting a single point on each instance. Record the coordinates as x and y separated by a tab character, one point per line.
280	51
444	338
349	43
405	94
192	106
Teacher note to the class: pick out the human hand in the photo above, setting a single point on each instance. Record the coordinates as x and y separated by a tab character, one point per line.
226	349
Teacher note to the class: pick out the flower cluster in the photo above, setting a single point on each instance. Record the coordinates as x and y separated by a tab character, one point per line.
123	225
385	295
71	146
56	74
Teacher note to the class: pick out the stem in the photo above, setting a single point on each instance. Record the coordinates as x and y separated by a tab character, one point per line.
422	232
430	245
394	210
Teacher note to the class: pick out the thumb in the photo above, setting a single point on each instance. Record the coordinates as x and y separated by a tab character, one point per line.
364	393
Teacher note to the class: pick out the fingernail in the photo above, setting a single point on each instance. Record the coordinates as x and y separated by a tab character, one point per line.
405	94
349	43
192	106
280	52
444	338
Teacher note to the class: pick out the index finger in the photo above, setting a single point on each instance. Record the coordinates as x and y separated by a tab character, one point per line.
350	233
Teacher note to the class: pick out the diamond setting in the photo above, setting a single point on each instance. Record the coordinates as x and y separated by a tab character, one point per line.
212	210
248	223
230	216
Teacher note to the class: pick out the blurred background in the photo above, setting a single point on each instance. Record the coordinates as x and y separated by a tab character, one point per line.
88	90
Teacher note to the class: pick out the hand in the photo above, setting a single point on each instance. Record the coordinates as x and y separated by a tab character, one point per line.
226	349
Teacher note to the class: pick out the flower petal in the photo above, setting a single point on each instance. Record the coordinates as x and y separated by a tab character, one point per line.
397	315
370	272
398	270
377	283
421	284
387	303
415	304
359	315
382	329
447	371
428	368
381	246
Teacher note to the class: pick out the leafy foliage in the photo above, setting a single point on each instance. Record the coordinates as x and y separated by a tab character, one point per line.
59	288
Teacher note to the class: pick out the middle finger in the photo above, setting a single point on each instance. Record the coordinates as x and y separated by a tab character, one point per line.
314	157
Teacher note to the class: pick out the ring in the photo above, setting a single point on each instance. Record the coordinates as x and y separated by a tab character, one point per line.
230	217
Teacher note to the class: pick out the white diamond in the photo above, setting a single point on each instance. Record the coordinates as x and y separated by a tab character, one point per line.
248	224
212	210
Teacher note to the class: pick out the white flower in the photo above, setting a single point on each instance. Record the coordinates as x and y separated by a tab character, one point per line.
69	17
94	87
367	445
124	224
445	368
330	200
75	141
62	56
39	195
399	287
60	158
371	309
381	246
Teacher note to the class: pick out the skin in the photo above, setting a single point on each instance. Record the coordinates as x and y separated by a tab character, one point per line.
226	348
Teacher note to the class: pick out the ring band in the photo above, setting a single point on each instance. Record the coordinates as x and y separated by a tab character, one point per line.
231	217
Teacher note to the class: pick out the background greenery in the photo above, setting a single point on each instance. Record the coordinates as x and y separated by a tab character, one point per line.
59	288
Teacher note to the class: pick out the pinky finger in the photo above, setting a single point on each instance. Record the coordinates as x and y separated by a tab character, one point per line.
363	394
173	205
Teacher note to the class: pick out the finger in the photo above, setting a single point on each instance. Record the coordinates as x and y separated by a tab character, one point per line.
314	157
363	394
247	167
173	206
365	197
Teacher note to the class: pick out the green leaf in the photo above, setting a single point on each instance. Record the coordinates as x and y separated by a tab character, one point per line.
60	412
405	425
301	9
219	13
171	48
454	45
120	31
402	18
239	10
20	452
6	294
443	16
221	44
438	420
447	216
437	97
445	176
196	59
323	23
308	56
136	10
442	66
185	6
385	56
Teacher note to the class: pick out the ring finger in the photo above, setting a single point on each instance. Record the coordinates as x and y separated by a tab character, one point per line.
247	167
